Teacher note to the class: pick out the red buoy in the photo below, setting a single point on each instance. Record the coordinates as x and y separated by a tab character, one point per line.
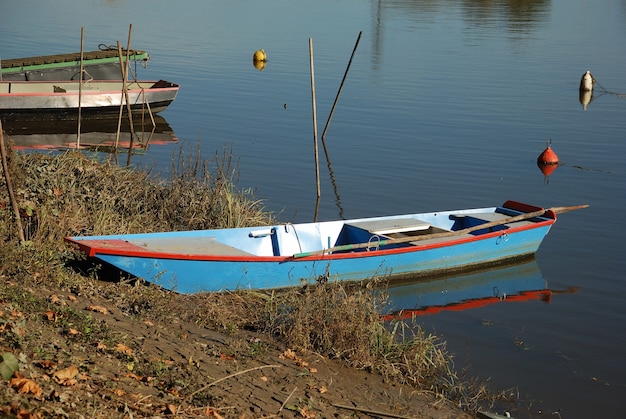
547	169
548	157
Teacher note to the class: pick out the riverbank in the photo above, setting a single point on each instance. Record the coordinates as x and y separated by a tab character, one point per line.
85	341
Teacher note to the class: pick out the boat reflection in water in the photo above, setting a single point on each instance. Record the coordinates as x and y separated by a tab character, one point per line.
95	134
519	282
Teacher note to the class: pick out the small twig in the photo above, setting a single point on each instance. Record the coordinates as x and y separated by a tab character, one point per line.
287	399
373	412
230	376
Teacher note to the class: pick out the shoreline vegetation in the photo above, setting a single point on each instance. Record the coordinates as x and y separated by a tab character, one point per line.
80	340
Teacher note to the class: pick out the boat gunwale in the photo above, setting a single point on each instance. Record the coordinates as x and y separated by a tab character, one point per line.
92	251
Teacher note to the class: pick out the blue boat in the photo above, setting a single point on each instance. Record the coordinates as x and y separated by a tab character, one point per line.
288	255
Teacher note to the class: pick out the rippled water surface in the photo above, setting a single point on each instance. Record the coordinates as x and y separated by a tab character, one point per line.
447	105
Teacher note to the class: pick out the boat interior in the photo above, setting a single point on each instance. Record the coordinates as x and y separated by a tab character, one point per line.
289	239
342	236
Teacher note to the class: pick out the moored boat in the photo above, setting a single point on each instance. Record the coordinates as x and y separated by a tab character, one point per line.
280	256
102	64
61	99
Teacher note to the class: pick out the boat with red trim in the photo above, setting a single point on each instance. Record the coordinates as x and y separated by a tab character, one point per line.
280	256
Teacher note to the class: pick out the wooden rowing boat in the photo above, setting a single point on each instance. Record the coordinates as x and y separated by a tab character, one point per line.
102	64
346	250
96	98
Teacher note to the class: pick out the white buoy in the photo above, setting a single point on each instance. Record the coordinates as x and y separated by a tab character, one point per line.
586	82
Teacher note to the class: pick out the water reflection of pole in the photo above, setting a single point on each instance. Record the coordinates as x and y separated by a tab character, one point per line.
330	116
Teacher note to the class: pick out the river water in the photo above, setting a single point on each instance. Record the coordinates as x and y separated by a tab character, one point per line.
447	105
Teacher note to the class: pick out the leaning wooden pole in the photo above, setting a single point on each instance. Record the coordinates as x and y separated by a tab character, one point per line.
345	74
317	166
128	106
7	178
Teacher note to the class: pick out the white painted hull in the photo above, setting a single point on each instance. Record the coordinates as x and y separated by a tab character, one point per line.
92	96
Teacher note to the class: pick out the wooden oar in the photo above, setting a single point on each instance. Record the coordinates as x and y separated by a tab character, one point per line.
521	217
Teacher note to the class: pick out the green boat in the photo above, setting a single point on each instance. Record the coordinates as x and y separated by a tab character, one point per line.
103	64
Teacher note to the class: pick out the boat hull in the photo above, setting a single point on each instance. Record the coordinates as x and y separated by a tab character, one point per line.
188	262
26	100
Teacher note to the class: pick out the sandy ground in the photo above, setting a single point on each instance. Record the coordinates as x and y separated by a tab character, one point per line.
178	369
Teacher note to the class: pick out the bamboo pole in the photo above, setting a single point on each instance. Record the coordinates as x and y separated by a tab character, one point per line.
317	166
80	83
7	178
521	217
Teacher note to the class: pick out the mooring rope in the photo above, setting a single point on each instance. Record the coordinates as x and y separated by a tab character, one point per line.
605	91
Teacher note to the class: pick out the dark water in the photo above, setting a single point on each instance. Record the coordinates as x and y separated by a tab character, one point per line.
447	105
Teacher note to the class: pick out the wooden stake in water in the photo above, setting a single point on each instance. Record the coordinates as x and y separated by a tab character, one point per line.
124	69
317	166
80	83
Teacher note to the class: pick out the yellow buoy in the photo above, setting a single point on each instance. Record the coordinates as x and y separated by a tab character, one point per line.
260	55
259	65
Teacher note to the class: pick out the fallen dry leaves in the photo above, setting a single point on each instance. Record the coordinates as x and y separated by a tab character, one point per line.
67	376
52	316
227	357
299	361
306	413
97	309
141	378
13	410
45	364
120	347
25	385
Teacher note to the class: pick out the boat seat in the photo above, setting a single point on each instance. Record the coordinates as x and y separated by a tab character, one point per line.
390	226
